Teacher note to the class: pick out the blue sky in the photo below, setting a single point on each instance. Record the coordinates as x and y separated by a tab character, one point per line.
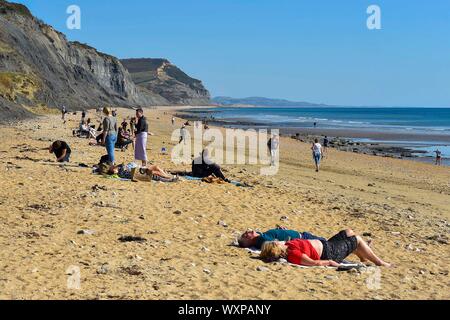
315	50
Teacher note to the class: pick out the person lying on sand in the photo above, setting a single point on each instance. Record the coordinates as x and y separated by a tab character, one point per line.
255	239
321	252
127	172
61	150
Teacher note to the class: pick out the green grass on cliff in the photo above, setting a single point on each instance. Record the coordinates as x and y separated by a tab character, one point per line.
13	84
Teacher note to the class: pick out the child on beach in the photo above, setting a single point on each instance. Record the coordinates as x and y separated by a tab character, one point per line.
317	153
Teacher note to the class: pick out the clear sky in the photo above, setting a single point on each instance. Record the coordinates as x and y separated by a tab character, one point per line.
307	50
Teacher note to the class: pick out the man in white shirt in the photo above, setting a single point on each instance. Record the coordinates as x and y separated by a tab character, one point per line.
317	153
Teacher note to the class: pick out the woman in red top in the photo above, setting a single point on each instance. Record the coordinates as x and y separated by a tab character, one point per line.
321	253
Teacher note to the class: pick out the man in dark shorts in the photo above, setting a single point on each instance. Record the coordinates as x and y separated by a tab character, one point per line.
61	150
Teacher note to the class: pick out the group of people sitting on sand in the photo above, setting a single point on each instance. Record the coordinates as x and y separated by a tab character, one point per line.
303	248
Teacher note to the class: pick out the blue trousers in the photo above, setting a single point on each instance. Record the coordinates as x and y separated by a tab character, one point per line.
110	143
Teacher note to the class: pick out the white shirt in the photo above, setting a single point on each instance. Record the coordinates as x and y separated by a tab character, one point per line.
317	148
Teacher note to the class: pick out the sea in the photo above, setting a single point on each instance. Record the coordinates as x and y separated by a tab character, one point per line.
421	128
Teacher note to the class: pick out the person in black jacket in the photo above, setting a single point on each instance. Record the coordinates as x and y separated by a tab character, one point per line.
203	167
140	149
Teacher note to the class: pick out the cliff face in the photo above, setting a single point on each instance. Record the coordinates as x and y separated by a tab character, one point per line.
162	78
40	68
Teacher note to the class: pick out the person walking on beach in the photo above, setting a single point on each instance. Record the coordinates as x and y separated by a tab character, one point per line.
109	133
273	144
183	134
317	153
140	148
438	157
63	113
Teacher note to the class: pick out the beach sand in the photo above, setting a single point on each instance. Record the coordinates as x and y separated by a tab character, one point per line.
403	205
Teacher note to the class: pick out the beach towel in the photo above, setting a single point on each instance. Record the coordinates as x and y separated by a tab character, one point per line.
345	265
191	178
140	152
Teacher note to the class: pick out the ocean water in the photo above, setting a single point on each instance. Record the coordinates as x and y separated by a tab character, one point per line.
423	124
423	120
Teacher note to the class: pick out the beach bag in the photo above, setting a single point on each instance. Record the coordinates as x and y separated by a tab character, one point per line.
140	174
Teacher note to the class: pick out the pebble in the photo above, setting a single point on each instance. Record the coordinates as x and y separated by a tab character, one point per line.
86	232
261	268
207	271
222	223
284	218
103	269
177	212
204	249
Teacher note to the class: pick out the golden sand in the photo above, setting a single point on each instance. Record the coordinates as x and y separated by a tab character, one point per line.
187	256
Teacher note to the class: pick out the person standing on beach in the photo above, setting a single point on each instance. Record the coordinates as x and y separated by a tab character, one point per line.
63	113
83	115
438	157
140	148
183	134
132	126
273	144
109	133
173	121
317	153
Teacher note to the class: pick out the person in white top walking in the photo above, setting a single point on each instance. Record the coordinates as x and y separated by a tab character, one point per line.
317	153
273	144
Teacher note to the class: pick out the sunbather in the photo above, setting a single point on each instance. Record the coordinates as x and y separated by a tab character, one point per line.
125	172
203	167
320	252
251	238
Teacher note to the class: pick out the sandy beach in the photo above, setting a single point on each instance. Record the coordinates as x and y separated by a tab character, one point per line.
403	206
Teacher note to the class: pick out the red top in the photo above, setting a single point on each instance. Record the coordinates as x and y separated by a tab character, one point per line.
298	247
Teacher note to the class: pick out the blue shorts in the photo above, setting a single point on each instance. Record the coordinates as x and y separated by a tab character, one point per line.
317	157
